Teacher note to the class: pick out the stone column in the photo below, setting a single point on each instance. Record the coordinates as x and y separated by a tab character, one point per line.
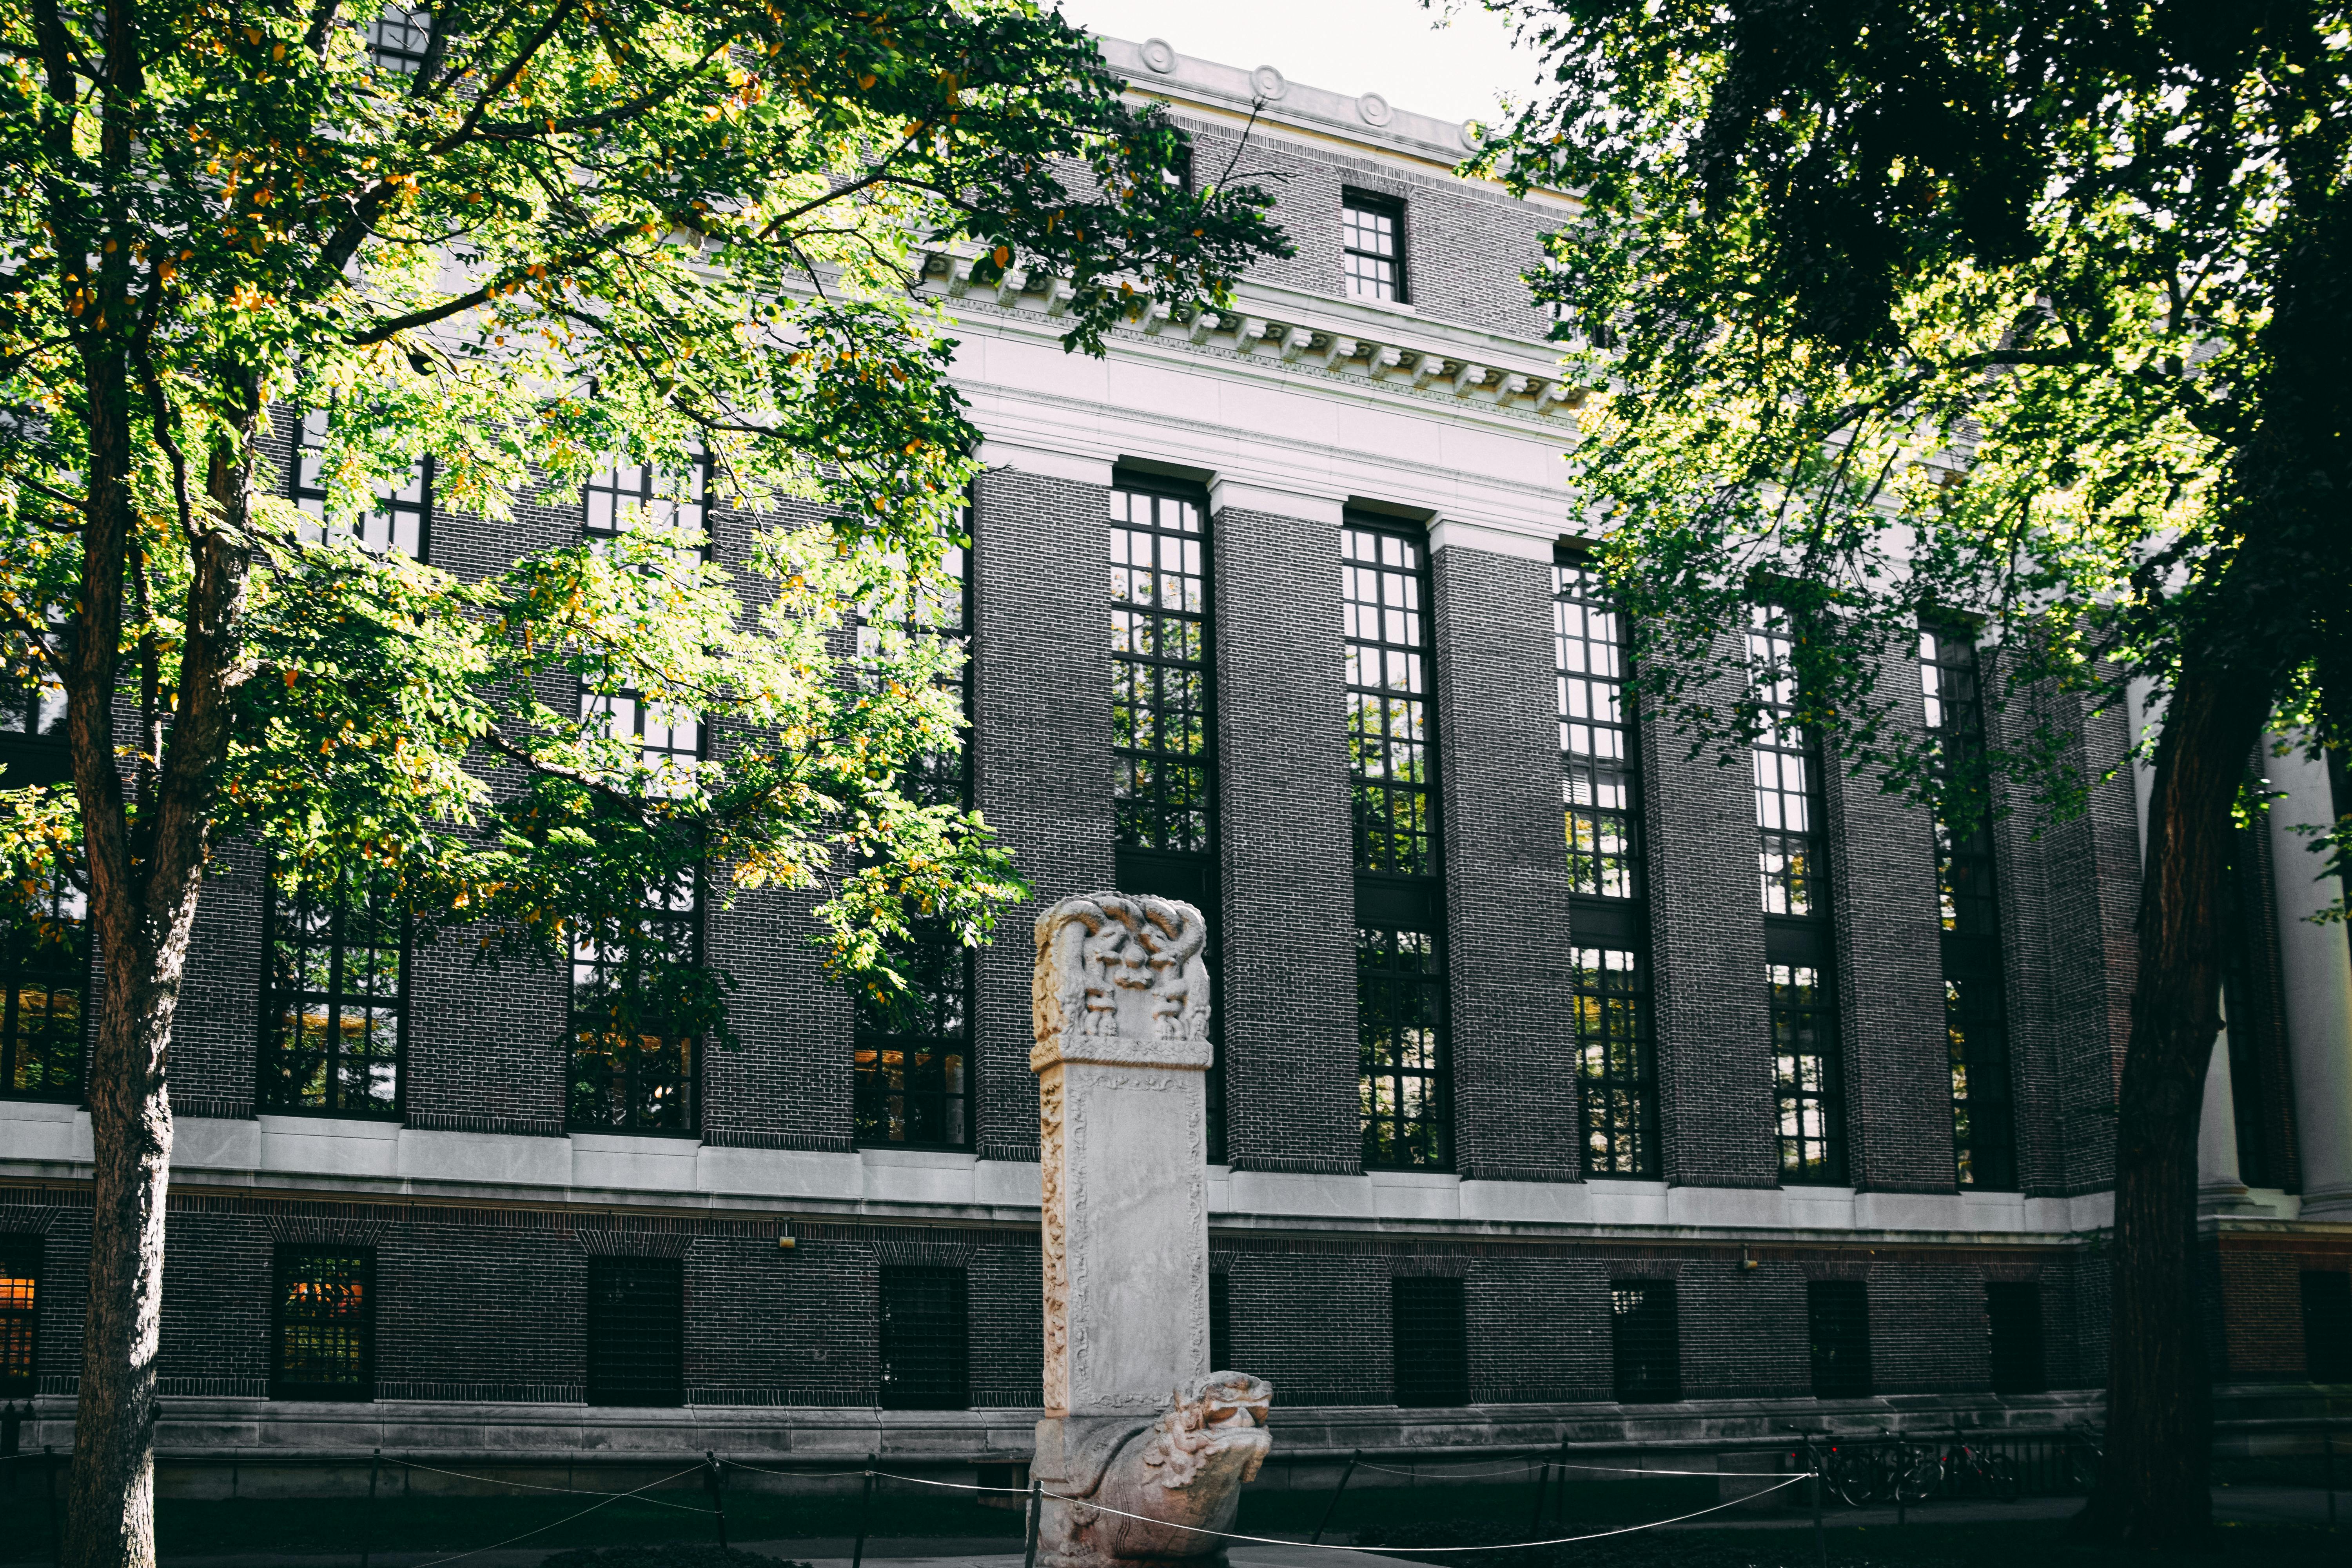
2218	1185
2316	966
1121	1003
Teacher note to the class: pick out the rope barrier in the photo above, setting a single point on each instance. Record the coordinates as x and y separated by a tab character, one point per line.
567	1519
1437	1470
532	1486
1507	1546
1277	1541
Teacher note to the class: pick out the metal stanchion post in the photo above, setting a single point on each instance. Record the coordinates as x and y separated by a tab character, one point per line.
2327	1467
1559	1498
367	1525
50	1468
1543	1489
1036	1521
1333	1506
716	1485
1820	1536
857	1557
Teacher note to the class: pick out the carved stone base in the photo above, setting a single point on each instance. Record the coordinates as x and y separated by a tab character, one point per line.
1182	1474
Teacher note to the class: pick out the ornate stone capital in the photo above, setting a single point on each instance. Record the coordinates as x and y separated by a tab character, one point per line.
1120	981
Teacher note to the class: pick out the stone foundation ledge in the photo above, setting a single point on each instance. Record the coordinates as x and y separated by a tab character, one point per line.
248	1446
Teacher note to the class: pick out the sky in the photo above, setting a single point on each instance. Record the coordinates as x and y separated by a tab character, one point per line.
1394	47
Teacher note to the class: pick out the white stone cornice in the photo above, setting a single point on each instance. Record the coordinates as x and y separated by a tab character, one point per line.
1239	495
1047	461
1449	534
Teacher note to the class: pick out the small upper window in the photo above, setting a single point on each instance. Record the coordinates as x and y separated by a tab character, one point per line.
399	38
1371	244
402	517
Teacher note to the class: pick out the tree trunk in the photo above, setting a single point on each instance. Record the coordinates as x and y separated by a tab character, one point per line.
110	1503
145	876
2154	1485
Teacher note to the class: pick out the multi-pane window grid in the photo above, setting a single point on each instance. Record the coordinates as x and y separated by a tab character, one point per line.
1975	1015
1788	775
1432	1341
2327	1325
636	1331
1600	788
1400	981
398	39
1837	1315
32	697
1601	805
911	1053
639	1079
1160	672
1611	1008
1804	1075
333	1025
325	1324
1646	1342
925	1338
2013	1325
1401	1050
1371	246
20	1313
1390	746
1221	1323
400	518
44	984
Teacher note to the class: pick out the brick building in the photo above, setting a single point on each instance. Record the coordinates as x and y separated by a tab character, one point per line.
1739	1106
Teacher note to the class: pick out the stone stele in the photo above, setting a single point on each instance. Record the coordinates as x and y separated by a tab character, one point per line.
1143	1446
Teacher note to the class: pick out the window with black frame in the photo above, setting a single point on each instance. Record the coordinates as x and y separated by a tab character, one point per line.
1432	1341
2326	1324
1221	1323
1404	1067
912	1050
2013	1333
634	1068
1837	1318
1600	802
398	39
1792	872
925	1338
401	520
335	1004
20	1315
1371	245
43	988
324	1327
1163	719
1646	1342
636	1331
1976	1018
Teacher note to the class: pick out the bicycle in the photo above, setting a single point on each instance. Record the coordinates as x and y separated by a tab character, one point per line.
2085	1455
1980	1473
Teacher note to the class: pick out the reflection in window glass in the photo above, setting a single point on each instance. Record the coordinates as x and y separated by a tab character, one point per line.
43	986
336	1002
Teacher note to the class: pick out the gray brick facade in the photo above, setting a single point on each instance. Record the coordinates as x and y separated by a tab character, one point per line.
1289	984
1515	1108
1707	947
483	1210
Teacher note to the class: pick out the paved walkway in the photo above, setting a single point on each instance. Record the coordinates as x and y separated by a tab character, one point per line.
2245	1504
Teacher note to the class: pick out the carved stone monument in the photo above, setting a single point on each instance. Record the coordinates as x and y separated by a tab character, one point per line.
1138	1426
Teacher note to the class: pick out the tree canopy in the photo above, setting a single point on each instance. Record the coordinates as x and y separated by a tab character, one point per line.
2020	318
529	241
2009	314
